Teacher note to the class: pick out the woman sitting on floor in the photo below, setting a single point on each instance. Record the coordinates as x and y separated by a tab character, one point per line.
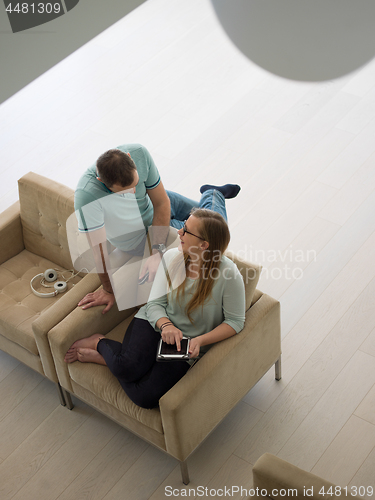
197	292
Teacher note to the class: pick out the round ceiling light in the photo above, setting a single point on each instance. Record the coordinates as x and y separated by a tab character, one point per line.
307	40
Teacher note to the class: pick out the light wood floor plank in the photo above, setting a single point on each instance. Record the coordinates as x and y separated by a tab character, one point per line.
16	387
275	187
330	114
345	165
278	234
7	365
107	468
355	440
332	259
352	194
27	416
362	81
310	383
310	105
366	409
234	479
361	114
369	344
328	310
39	447
299	345
73	455
295	257
339	401
364	477
144	477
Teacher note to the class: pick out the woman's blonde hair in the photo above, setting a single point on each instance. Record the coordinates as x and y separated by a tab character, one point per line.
213	229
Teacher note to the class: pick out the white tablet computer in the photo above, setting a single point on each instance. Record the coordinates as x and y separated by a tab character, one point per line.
168	352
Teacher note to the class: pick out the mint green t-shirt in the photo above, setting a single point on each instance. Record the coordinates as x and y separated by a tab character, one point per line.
125	217
226	303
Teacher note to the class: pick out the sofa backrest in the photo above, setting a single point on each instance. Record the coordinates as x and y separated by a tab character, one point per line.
250	273
45	206
275	478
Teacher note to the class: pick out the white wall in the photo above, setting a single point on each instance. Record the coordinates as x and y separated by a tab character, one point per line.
28	54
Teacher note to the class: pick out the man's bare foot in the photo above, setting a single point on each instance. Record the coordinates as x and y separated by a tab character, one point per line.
86	355
88	342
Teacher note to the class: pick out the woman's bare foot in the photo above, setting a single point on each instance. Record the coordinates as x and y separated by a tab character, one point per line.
86	355
71	355
88	343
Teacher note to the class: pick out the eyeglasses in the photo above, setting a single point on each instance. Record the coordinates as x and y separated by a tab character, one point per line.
184	230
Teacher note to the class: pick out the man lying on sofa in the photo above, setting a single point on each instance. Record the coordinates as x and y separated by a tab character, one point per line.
121	199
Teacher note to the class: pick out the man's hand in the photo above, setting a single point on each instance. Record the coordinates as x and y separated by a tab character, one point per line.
151	265
98	298
172	335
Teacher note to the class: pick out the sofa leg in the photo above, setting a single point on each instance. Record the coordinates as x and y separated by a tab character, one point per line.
278	369
184	472
68	399
61	395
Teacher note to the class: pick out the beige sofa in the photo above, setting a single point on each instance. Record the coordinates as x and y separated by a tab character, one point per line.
275	478
205	395
33	239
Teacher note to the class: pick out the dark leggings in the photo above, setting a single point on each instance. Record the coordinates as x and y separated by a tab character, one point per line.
134	364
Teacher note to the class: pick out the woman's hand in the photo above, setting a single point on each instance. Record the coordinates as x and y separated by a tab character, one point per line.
172	335
194	347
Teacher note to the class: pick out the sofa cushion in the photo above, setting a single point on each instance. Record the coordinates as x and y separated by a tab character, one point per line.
19	307
99	380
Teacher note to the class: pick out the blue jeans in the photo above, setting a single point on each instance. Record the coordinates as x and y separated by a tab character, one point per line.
181	206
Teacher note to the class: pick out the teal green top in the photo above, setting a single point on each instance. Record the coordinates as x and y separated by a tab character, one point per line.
126	217
226	303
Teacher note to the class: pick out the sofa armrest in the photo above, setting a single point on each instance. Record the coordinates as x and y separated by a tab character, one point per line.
11	236
220	379
56	313
78	325
272	473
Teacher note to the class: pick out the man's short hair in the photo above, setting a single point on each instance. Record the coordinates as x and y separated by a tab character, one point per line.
115	167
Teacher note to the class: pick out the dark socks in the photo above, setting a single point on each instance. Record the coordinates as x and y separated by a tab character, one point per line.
228	190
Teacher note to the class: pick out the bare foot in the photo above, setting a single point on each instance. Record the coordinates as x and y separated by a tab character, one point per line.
86	355
88	342
71	355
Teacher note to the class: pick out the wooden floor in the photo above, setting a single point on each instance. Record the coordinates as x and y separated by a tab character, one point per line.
166	76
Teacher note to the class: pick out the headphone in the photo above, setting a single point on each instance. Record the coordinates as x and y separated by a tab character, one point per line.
50	276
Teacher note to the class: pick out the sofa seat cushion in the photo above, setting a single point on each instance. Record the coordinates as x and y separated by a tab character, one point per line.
100	381
19	306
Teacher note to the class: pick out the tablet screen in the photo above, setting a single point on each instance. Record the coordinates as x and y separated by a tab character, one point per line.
171	349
